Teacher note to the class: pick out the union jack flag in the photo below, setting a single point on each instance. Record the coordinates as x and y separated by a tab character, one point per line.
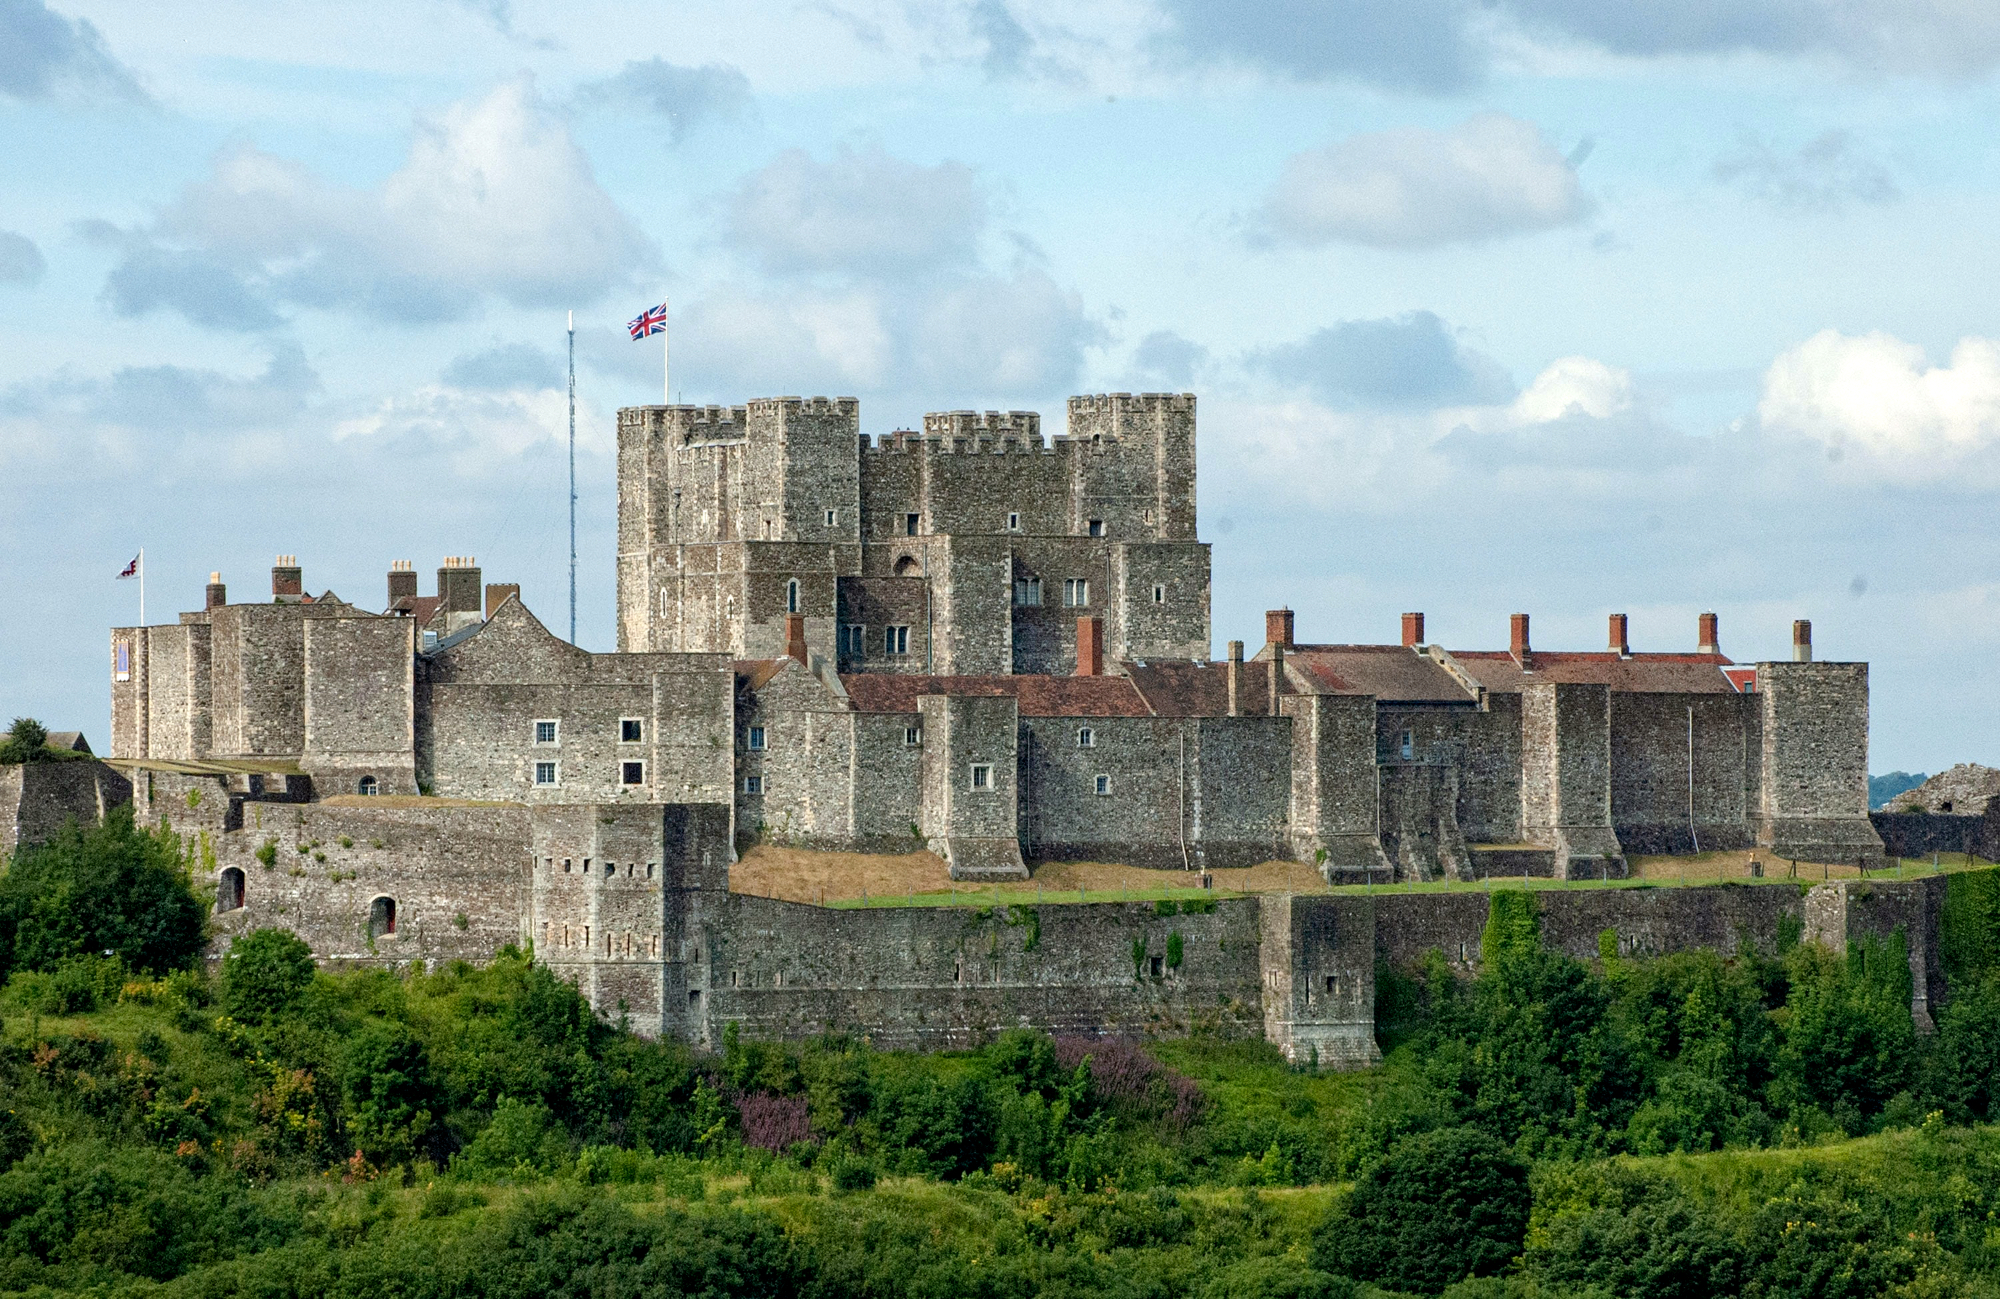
650	321
131	569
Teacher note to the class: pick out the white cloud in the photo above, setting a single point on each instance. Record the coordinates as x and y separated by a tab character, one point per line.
862	213
1413	187
1879	395
495	199
470	424
1572	386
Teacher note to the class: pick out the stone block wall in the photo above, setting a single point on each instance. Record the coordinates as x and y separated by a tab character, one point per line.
978	826
359	703
1334	801
36	798
1566	774
1679	772
1814	797
1317	961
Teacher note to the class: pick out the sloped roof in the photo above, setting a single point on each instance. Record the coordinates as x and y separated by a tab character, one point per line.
1201	689
1039	696
1636	674
1392	673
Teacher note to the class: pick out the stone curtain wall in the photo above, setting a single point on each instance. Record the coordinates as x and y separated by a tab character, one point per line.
36	798
1650	770
1919	834
1814	768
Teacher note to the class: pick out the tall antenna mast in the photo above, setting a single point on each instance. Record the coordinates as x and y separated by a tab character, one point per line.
572	478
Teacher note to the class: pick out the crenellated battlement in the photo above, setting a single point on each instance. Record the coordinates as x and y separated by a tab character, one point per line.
968	424
839	407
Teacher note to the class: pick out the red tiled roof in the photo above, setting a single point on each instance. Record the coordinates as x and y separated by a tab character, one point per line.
1039	696
1201	689
1637	674
759	671
1391	673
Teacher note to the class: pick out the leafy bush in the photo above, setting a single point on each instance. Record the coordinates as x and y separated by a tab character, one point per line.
28	741
105	889
264	975
1440	1207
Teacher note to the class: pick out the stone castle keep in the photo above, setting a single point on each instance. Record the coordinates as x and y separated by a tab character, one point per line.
976	640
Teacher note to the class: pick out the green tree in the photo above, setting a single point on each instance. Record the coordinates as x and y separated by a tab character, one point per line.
109	887
1440	1207
265	974
386	1086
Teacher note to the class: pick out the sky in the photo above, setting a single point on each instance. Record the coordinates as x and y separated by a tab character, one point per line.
1492	306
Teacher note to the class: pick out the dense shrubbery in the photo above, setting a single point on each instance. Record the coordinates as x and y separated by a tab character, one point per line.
103	890
1670	1127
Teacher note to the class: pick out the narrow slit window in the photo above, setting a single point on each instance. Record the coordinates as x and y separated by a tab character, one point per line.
913	736
1159	594
1013	521
792	596
1407	743
910	525
832	517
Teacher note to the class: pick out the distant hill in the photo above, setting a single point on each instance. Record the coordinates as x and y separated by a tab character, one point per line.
1883	788
1963	790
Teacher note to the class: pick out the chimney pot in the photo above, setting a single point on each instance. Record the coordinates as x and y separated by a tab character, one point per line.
287	578
1518	639
402	581
1278	627
1621	644
1413	630
1090	647
1802	641
795	636
1710	642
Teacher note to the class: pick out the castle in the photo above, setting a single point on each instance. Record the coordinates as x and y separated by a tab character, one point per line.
969	638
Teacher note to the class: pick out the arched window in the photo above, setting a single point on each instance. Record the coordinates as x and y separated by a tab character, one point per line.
229	890
792	596
381	917
369	786
907	566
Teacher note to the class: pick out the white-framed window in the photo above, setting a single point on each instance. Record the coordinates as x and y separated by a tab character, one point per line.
982	775
1159	594
756	740
852	635
1013	521
792	596
368	787
832	517
910	524
1027	591
895	640
1097	527
547	732
122	660
1086	738
631	773
430	640
753	784
631	730
1076	592
664	610
1104	786
913	736
1407	742
547	773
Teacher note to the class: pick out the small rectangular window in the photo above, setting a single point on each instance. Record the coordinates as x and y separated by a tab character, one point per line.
1028	591
124	660
753	784
545	773
629	730
1157	964
756	737
545	732
1104	786
832	516
1159	595
1097	527
910	525
852	636
1408	743
1013	521
1085	737
982	776
913	736
896	640
631	773
1076	592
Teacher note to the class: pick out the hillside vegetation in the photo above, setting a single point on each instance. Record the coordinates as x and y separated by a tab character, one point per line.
1692	1125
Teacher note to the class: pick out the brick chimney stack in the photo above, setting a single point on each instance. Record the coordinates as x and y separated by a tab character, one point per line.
1710	642
218	594
458	585
497	594
1278	628
1802	641
1090	647
287	578
1236	678
1277	675
1413	630
402	582
1621	645
795	637
1517	640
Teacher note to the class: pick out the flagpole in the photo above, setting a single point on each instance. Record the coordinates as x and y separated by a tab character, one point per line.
572	478
666	356
142	586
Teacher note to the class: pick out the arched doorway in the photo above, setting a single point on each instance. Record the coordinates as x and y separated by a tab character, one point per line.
229	890
381	917
907	566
